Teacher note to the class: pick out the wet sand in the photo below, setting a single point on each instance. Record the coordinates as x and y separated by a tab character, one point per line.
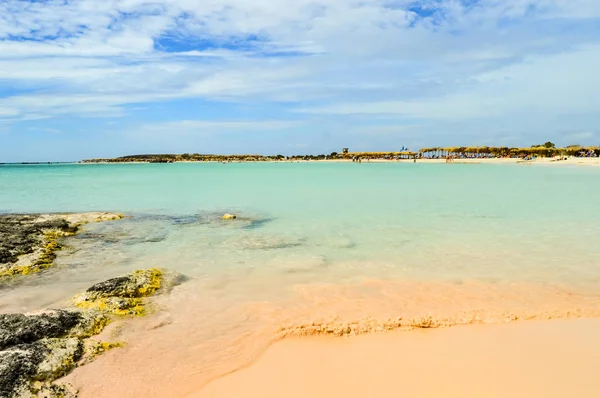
195	340
557	358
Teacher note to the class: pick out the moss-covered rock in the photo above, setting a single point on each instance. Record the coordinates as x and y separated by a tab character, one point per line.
94	348
124	295
27	369
45	390
39	348
22	235
36	349
17	365
61	357
18	329
29	242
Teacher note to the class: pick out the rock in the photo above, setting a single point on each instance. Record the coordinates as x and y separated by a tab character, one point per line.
28	242
17	366
45	390
262	242
255	223
42	362
123	295
94	348
215	219
61	357
19	235
18	329
36	349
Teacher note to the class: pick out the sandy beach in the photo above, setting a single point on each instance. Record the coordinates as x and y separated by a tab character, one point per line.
571	161
527	359
316	352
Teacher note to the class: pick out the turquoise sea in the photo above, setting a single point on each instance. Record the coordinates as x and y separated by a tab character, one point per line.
308	226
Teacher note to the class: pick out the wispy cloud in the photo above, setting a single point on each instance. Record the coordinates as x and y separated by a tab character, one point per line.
203	126
479	64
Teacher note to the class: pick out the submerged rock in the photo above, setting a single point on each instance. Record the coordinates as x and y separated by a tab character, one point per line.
254	223
23	234
215	219
123	295
28	242
263	242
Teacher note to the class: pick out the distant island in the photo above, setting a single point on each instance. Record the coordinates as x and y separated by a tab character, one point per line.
546	150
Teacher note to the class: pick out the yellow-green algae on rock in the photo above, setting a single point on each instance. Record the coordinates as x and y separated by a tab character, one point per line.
124	295
36	349
94	348
29	242
46	255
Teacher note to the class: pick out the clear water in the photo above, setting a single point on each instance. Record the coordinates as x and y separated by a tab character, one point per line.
337	220
312	224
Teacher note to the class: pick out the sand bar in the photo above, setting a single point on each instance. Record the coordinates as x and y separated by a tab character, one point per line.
558	358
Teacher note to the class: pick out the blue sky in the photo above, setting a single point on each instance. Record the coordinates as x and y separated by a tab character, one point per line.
91	78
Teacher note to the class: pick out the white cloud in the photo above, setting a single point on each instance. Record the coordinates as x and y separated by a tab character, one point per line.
204	126
555	83
467	61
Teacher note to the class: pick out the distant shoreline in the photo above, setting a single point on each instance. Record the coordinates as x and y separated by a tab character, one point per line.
571	160
447	155
539	161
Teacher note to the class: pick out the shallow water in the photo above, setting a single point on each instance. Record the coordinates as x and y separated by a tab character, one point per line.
318	242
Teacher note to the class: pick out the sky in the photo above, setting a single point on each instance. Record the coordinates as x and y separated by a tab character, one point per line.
104	78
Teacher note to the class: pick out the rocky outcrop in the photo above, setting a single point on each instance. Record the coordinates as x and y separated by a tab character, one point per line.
26	369
124	295
16	329
24	234
29	242
36	349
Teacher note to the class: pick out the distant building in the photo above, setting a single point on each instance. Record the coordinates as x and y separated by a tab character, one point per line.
344	150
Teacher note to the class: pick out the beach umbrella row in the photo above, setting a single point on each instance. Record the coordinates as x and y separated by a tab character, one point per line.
508	151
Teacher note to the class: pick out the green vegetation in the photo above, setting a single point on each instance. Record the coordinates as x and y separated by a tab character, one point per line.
547	149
